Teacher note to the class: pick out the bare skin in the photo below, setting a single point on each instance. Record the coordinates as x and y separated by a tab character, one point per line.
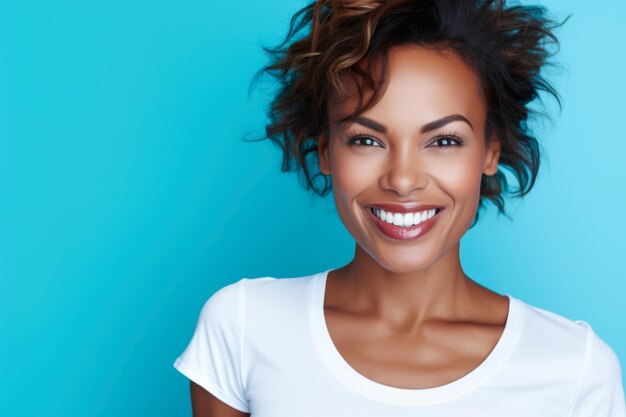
416	353
404	313
205	404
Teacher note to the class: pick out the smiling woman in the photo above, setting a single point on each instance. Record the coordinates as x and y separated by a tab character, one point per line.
408	109
428	151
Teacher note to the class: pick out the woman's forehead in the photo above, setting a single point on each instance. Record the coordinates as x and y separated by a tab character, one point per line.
425	81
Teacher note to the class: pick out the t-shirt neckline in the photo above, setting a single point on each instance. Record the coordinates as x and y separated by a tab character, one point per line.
348	376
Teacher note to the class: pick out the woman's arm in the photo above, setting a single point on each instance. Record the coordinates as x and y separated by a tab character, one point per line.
212	360
600	392
205	404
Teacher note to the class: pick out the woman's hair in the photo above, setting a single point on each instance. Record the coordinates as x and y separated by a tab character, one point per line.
506	46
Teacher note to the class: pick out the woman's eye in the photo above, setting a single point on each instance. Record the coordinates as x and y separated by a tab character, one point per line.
447	142
363	141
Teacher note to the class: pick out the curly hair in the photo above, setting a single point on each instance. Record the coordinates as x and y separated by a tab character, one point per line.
506	46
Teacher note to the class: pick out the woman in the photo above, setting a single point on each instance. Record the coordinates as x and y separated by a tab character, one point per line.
407	108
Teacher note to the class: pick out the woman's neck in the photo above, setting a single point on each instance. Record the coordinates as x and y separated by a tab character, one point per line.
405	299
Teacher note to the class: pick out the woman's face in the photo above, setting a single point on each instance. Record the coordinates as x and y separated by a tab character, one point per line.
394	154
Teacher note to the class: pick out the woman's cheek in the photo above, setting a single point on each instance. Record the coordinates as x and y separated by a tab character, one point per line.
460	177
354	173
461	182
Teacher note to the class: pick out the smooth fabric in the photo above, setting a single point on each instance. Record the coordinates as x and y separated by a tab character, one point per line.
261	345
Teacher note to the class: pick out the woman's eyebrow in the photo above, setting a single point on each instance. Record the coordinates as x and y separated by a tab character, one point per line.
435	124
444	121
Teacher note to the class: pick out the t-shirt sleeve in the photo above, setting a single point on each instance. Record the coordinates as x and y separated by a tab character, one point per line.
212	358
601	392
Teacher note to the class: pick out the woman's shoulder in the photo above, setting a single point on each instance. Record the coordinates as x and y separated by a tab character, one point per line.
261	293
263	283
552	327
558	347
267	288
571	342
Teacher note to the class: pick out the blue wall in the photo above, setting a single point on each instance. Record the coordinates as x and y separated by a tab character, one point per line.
127	196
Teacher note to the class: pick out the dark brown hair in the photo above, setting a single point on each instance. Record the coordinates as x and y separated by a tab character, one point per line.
507	46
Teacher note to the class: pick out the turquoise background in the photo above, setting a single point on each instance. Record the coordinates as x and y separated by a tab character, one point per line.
127	195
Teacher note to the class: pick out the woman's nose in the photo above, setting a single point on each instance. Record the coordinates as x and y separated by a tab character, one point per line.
405	172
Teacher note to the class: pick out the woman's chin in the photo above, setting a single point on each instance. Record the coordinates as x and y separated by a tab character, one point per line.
404	261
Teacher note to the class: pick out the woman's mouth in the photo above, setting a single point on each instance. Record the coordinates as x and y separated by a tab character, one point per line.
403	226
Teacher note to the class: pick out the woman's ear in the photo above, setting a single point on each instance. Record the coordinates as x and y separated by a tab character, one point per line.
322	153
493	157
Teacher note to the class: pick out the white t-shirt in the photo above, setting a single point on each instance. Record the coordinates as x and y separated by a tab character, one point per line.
261	345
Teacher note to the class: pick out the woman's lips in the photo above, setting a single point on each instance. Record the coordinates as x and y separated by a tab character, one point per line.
403	233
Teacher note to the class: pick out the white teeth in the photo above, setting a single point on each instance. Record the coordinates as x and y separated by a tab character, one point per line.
404	219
